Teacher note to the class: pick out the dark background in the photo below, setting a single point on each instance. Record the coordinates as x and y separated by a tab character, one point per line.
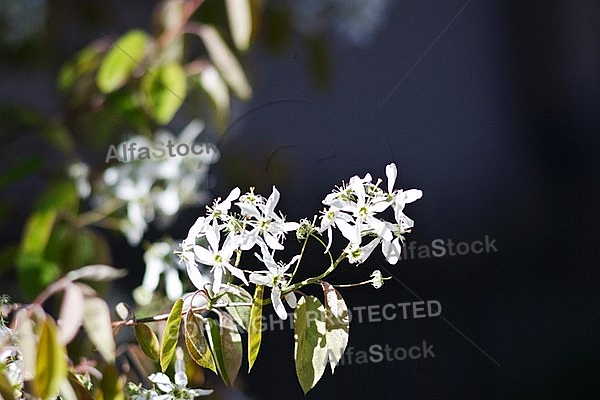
496	123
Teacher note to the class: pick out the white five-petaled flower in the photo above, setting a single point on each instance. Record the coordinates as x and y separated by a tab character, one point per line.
218	257
275	278
265	221
358	254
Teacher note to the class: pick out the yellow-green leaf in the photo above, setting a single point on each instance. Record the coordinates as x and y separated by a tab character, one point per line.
6	390
255	326
148	341
121	60
111	387
164	90
51	361
310	349
170	336
196	342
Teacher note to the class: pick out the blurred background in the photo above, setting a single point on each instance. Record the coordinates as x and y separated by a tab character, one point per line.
490	108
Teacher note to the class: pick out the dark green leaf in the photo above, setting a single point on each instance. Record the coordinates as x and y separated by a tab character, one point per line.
170	336
310	349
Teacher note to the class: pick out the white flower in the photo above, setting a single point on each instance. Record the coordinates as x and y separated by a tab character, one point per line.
178	389
218	257
275	278
357	254
377	279
265	221
334	217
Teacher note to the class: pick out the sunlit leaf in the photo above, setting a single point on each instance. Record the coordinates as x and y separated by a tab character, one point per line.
148	341
97	324
97	273
240	22
121	60
111	387
165	89
225	61
255	326
6	390
196	342
337	324
70	316
170	336
51	363
310	350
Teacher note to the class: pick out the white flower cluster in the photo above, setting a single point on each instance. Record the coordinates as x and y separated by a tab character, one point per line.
218	239
156	187
353	209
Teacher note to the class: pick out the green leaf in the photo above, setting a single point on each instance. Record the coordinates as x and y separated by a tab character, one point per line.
98	326
6	390
225	61
337	324
310	350
241	314
51	361
121	60
226	346
240	22
148	341
196	342
255	326
111	387
164	89
170	336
